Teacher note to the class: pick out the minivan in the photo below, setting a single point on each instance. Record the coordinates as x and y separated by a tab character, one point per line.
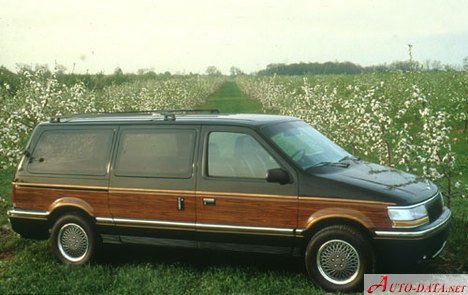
239	182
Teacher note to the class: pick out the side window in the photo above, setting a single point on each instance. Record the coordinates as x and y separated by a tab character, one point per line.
155	153
75	152
237	155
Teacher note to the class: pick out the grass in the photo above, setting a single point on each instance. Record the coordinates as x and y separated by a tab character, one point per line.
140	270
229	99
28	266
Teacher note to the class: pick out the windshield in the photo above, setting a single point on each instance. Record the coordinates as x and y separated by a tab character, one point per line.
304	145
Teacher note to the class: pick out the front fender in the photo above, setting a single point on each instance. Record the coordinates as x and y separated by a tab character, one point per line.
338	213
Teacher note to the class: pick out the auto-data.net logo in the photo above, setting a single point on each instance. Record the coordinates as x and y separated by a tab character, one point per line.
415	284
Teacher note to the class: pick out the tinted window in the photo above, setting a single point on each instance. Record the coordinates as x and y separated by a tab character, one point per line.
155	153
77	152
237	155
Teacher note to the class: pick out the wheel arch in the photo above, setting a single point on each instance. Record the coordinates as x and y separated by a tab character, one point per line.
318	225
70	205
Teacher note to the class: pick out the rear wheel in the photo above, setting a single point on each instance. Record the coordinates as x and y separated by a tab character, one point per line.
337	257
73	239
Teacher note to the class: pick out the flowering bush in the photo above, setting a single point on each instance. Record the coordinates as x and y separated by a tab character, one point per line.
175	93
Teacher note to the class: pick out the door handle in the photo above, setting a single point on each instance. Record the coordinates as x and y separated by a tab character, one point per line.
209	201
180	203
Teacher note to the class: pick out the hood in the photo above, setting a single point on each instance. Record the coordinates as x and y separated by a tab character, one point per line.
364	180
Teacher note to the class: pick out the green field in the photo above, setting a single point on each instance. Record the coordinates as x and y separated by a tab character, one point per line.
28	266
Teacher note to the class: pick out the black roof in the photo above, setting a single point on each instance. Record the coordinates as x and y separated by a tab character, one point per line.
171	118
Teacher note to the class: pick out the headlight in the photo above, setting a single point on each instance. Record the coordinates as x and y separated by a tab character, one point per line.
408	217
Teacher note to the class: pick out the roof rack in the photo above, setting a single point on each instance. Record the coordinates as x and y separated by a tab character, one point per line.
169	115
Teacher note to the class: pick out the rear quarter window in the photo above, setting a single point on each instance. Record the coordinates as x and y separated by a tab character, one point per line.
72	152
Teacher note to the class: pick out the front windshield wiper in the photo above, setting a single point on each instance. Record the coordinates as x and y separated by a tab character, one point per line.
340	163
349	157
325	163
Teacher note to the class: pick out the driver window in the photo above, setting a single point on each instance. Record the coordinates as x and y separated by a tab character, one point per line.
237	155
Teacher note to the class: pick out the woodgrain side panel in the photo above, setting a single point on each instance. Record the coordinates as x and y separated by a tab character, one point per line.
46	198
229	208
248	210
369	214
152	205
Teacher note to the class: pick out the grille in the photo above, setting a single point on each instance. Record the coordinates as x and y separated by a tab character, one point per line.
434	207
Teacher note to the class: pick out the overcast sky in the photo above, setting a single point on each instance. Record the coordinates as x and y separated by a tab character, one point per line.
187	36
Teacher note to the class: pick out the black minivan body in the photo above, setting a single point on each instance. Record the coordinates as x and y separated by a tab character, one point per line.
260	183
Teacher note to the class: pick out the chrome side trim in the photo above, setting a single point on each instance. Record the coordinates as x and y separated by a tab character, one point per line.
224	228
28	214
417	233
126	221
145	223
257	229
299	231
104	221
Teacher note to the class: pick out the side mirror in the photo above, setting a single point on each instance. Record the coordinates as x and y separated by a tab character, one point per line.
278	175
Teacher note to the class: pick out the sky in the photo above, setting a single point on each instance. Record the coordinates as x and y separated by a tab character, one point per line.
188	36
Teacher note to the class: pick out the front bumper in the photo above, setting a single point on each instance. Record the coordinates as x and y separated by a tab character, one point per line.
413	245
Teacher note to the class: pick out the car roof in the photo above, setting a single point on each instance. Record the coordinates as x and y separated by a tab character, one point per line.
170	118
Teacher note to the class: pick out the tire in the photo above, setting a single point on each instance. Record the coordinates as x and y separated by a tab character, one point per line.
337	257
73	240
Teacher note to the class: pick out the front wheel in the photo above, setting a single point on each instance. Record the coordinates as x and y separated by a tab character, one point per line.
73	240
337	257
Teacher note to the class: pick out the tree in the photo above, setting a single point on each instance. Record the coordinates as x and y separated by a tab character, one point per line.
436	65
118	77
465	63
118	72
312	68
213	71
60	69
144	71
235	71
402	66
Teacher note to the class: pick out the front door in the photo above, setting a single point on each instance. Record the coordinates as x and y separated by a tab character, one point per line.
237	208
